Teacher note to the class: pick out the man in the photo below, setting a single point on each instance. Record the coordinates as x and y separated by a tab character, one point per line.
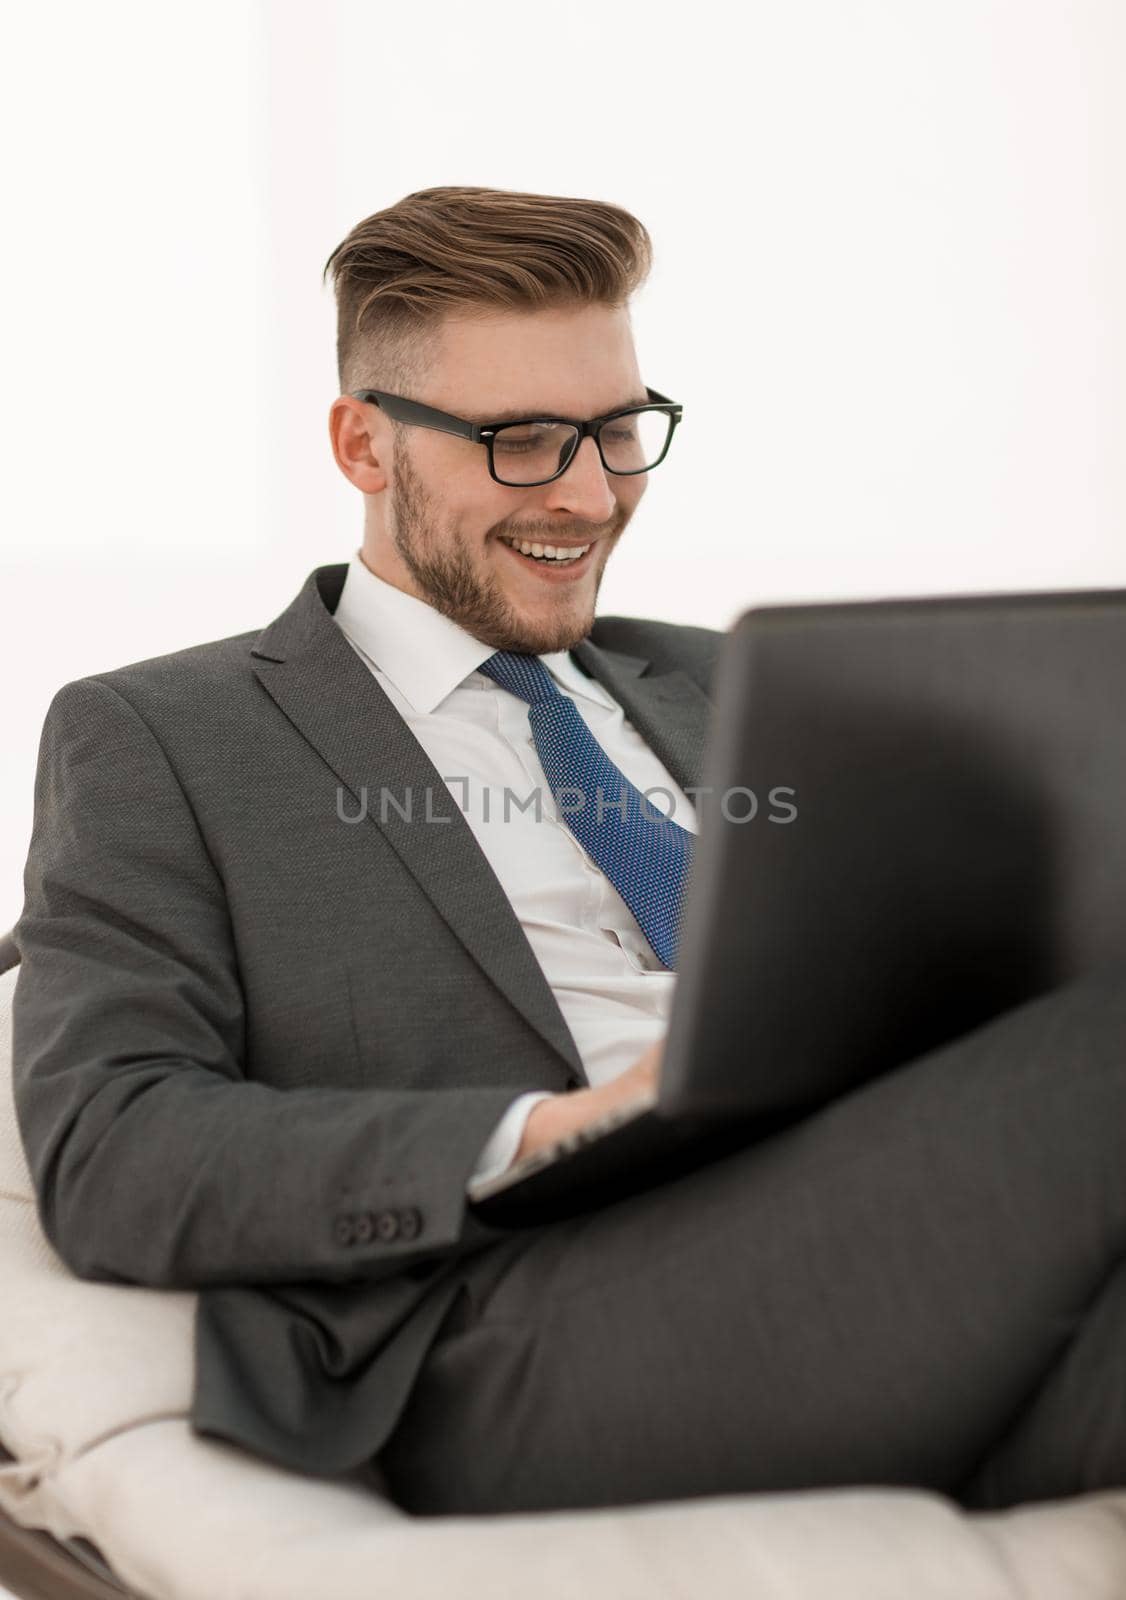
294	974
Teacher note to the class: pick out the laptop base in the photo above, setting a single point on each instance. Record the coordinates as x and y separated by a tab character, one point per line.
639	1154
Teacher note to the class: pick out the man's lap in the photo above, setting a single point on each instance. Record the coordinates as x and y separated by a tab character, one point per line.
870	1296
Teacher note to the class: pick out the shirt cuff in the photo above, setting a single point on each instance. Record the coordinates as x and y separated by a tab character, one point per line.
505	1139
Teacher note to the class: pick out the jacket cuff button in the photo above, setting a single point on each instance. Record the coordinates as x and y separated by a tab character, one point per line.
387	1226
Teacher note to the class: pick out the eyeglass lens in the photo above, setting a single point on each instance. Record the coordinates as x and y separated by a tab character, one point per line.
529	452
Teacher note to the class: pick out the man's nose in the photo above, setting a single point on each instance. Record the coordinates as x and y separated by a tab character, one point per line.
585	486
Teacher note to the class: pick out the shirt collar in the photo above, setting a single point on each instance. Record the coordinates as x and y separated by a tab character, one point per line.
425	654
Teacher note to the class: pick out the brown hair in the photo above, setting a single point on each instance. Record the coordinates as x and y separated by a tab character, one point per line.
437	251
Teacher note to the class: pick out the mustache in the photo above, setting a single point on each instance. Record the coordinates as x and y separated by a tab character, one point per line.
583	534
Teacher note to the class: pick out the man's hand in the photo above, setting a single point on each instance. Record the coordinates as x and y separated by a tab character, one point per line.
564	1113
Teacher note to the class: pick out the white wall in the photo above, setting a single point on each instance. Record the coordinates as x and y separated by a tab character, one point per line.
891	239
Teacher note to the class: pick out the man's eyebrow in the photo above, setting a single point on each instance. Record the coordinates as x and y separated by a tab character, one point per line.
518	414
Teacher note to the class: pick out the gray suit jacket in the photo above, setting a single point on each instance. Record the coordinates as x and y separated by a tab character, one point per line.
258	1049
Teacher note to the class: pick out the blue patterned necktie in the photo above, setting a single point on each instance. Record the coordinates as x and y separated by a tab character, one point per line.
645	855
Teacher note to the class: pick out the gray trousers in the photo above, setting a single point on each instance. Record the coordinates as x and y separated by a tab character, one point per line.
922	1283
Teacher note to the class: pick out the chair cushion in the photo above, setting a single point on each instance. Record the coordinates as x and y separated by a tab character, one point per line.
255	1531
77	1360
95	1385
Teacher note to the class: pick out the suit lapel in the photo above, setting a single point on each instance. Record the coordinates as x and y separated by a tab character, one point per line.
313	674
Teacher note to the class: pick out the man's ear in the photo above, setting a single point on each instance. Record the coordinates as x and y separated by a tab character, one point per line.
361	443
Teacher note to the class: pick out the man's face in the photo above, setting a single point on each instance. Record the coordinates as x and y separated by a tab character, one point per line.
435	520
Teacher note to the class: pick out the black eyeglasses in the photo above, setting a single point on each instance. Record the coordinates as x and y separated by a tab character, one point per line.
535	450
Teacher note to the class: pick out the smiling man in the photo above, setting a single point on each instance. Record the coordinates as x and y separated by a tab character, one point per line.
266	1042
516	563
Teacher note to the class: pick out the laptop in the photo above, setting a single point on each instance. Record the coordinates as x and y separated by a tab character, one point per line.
914	819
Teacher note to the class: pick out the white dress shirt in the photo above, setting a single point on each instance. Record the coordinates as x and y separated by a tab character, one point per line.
611	988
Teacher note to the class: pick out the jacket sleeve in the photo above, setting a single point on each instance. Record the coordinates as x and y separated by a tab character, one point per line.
155	1160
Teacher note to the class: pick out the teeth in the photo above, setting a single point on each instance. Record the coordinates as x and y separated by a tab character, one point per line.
552	552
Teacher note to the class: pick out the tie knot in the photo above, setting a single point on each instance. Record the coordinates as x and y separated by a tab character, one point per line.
524	676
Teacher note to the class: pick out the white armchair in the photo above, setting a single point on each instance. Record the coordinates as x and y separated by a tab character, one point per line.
105	1491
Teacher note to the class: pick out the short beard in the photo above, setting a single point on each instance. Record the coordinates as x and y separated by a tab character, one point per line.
450	583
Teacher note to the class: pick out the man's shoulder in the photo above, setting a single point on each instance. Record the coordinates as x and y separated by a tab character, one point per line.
213	655
178	681
668	646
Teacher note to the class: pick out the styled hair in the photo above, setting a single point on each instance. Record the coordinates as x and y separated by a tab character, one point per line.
436	252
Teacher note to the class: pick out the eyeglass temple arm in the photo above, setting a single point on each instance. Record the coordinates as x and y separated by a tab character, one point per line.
414	411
